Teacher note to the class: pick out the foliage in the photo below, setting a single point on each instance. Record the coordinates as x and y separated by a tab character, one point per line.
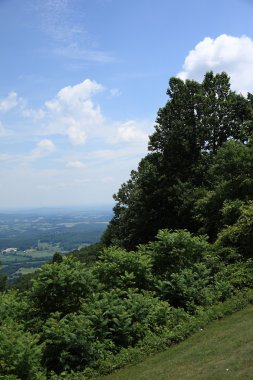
175	250
57	258
231	184
237	275
89	254
191	130
13	306
240	234
3	280
69	343
153	343
20	353
181	256
61	287
24	282
218	351
126	317
119	268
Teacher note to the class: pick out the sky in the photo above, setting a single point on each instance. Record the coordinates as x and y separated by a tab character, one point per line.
81	82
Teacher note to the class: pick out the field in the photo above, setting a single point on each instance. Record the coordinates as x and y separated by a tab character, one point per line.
35	235
223	350
27	261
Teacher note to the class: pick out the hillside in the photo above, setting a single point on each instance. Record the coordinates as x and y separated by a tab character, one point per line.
176	256
222	350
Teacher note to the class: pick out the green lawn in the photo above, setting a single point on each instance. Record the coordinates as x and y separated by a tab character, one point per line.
223	350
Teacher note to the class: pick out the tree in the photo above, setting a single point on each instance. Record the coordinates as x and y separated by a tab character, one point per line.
195	122
231	184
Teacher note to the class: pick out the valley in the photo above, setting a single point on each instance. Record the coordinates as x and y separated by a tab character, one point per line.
29	238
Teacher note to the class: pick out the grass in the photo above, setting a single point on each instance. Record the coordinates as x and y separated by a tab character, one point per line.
22	271
224	350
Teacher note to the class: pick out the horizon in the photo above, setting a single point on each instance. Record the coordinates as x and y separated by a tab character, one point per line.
81	207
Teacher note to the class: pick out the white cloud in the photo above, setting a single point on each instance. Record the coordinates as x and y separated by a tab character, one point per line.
74	96
33	114
233	55
76	164
72	112
131	131
76	135
43	148
10	102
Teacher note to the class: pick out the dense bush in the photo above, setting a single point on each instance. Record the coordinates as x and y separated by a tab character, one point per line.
125	317
20	353
175	250
69	343
119	268
13	306
61	287
240	234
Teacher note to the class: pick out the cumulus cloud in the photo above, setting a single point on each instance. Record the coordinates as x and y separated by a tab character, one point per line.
74	96
43	148
11	101
131	131
233	55
73	113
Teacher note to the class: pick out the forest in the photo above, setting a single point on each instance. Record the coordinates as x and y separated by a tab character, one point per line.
176	255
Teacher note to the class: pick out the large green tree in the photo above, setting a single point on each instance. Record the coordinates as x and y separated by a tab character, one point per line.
195	122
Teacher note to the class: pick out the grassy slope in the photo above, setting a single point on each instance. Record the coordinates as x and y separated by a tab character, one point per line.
224	350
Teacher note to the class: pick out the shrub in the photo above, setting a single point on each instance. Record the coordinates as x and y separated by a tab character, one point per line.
70	343
188	288
126	317
176	250
240	234
61	287
118	268
20	353
13	306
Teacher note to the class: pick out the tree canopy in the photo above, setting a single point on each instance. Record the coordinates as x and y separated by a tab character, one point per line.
181	166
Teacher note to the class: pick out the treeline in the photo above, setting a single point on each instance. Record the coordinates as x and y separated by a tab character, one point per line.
176	255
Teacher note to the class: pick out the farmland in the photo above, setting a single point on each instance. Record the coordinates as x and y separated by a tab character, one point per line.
29	238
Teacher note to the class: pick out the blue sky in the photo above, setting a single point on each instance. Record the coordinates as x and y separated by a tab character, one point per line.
82	81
